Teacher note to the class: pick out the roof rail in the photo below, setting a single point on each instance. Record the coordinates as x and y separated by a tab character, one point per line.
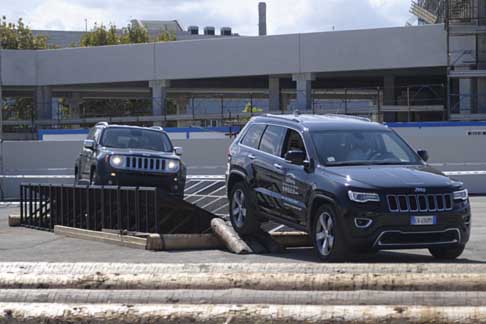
350	117
284	117
103	123
160	128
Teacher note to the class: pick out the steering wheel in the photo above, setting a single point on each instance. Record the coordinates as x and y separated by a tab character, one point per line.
375	155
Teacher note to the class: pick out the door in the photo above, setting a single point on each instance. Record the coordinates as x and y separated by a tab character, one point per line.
297	182
269	171
85	156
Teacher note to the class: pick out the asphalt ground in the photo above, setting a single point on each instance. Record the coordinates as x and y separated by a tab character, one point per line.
27	245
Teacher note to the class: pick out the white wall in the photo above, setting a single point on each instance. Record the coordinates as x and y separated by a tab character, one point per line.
373	49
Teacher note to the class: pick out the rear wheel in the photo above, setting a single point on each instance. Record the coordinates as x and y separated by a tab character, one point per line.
447	253
327	236
242	210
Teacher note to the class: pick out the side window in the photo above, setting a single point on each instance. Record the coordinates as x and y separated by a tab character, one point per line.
91	134
293	141
97	135
253	136
272	140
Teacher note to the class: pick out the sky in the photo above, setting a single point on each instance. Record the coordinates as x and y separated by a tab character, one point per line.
283	16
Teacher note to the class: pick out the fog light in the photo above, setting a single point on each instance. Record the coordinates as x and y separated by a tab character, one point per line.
175	179
363	222
113	174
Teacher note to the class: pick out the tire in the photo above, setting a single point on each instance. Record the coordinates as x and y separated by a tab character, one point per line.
447	253
242	211
93	178
76	177
327	236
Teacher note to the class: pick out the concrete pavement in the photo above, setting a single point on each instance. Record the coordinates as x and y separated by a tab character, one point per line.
21	244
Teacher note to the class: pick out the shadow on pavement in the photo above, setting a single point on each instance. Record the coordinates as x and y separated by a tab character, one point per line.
403	256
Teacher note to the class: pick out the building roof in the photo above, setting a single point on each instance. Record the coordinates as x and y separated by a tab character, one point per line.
159	25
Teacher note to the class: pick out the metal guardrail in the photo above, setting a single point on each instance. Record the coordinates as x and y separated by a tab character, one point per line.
135	209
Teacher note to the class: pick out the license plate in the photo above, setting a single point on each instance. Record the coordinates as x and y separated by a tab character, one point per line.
423	220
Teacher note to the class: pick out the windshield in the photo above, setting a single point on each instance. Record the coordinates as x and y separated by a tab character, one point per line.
134	138
362	147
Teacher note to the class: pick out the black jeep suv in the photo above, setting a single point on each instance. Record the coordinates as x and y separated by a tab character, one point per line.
352	184
131	156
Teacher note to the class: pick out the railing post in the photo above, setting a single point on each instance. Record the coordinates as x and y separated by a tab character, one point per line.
51	207
22	202
156	211
408	104
118	208
102	191
29	219
137	209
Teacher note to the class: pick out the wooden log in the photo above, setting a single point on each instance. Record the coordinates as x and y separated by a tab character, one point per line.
292	239
248	280
229	237
245	296
235	314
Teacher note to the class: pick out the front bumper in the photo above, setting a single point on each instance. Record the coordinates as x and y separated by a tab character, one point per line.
171	183
394	230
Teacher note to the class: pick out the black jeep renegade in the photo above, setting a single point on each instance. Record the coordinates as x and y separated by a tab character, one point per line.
131	156
352	184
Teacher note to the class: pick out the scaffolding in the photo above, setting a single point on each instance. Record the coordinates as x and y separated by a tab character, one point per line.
465	24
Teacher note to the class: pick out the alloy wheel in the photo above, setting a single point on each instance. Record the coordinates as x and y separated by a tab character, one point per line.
238	207
325	234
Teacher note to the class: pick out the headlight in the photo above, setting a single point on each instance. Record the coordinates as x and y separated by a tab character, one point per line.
116	161
173	165
461	194
363	197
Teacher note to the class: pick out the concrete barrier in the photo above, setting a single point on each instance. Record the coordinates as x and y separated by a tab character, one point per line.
184	313
122	240
13	220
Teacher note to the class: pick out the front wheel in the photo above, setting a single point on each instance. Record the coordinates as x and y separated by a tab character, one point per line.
327	236
447	253
93	178
242	210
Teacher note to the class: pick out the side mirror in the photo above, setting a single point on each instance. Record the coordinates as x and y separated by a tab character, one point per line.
178	150
89	144
296	157
423	154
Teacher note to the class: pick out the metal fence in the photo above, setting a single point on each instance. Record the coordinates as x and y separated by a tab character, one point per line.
135	209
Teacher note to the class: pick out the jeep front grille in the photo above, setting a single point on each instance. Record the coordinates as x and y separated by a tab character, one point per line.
419	203
138	163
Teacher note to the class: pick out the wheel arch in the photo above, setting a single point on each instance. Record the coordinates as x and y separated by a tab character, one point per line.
318	200
234	177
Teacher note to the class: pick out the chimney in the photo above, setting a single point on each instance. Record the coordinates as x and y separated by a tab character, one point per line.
262	19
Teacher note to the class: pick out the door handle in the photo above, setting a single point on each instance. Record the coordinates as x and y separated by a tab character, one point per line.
251	156
277	166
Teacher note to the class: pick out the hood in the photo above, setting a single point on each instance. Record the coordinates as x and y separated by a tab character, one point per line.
140	152
398	176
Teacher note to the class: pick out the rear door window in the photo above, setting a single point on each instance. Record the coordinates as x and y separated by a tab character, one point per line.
253	136
272	140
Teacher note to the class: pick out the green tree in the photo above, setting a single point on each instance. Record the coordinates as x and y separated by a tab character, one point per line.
165	36
133	34
100	36
19	36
